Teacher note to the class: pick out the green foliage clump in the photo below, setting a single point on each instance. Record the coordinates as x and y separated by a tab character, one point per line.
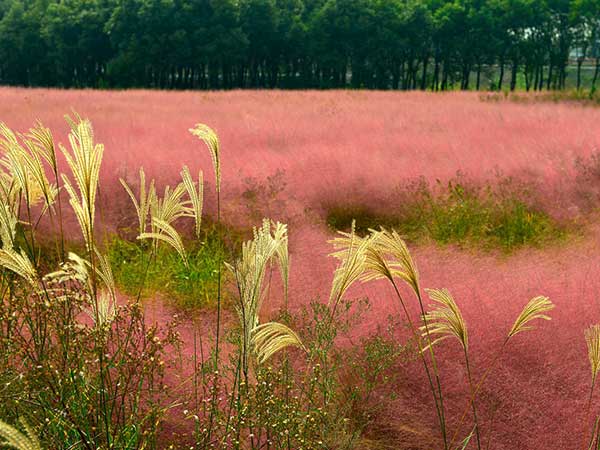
163	271
459	213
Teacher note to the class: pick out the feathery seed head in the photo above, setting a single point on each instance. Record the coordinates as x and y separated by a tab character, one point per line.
592	339
535	309
269	338
166	233
11	437
352	252
84	162
445	320
196	196
210	138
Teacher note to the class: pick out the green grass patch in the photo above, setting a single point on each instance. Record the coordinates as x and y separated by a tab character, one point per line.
477	216
137	268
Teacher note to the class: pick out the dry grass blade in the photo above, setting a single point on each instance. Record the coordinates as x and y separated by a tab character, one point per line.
535	309
196	196
445	320
18	263
13	438
210	138
269	338
166	233
592	339
142	207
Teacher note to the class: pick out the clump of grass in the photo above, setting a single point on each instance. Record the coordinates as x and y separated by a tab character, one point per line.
191	284
457	213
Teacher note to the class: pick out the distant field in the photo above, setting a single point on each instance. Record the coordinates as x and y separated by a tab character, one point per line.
293	156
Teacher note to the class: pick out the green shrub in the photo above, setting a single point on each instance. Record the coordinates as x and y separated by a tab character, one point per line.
456	213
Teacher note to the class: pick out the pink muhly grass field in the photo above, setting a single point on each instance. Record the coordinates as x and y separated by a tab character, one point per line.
359	146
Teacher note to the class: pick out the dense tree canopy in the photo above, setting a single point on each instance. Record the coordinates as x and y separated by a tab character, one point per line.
222	44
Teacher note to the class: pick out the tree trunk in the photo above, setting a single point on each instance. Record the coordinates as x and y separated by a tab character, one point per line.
596	74
435	82
513	76
424	72
501	74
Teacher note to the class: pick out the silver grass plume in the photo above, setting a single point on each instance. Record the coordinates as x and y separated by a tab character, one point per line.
445	320
196	196
592	339
210	138
84	162
171	206
166	233
13	438
388	257
269	338
147	198
534	310
249	272
25	167
19	263
351	251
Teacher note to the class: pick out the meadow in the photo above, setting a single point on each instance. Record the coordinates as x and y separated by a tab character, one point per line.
497	201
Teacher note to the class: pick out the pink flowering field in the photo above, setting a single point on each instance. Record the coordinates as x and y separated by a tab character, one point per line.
326	148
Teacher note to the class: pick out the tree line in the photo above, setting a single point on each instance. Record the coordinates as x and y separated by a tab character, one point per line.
225	44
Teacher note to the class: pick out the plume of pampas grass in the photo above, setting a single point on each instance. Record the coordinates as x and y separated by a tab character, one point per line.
166	233
74	269
269	338
25	168
210	138
196	196
41	138
351	251
85	166
147	198
77	269
11	437
171	206
592	339
102	311
534	310
388	256
19	263
249	272
445	320
280	235
8	224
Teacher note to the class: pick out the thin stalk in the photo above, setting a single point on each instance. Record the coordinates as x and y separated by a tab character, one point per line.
435	370
413	329
218	328
587	411
471	388
477	388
